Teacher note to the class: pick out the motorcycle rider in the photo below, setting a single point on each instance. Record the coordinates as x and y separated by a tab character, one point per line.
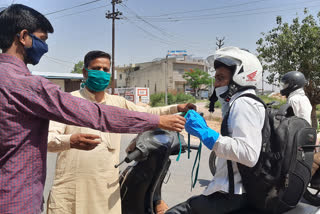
292	87
237	73
292	84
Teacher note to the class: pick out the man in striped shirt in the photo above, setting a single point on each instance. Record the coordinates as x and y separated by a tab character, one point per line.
27	103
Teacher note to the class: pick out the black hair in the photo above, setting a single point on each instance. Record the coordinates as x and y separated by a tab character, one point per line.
92	55
18	17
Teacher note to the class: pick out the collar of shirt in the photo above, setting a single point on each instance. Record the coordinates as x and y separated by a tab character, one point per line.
236	95
19	66
91	96
299	91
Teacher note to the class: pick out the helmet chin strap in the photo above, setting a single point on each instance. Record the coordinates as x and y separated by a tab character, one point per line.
232	89
213	99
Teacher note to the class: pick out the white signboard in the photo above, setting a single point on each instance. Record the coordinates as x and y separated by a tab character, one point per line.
135	95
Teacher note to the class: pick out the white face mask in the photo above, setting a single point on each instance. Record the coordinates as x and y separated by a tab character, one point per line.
224	104
221	90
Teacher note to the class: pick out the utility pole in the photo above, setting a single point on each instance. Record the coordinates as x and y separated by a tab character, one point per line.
113	15
262	82
165	80
220	42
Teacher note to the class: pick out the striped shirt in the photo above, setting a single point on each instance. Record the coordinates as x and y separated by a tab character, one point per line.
27	103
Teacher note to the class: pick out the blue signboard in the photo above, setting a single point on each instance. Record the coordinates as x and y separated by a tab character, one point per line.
177	53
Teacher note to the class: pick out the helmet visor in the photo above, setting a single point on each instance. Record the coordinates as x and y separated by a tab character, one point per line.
227	61
283	85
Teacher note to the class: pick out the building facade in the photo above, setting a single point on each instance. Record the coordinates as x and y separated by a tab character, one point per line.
68	82
152	74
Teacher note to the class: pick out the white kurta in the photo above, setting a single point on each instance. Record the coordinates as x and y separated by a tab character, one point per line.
86	182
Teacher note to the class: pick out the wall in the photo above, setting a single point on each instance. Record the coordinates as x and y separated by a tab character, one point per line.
152	75
72	85
58	82
67	85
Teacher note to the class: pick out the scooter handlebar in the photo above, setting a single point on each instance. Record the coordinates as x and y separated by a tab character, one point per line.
133	155
130	157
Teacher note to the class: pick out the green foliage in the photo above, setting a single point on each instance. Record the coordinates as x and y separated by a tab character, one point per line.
78	67
294	46
185	98
267	100
159	99
196	78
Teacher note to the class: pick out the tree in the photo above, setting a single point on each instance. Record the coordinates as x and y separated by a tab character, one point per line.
78	68
294	46
197	78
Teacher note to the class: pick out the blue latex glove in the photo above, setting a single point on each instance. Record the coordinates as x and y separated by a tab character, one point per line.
197	126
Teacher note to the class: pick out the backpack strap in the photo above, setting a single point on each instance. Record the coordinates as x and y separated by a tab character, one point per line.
224	132
230	177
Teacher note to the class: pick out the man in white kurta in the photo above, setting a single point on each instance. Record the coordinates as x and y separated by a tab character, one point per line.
86	182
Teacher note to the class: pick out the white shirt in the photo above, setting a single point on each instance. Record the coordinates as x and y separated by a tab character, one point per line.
300	104
245	123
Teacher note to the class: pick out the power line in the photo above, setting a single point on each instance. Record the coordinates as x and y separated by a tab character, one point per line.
69	8
83	11
216	16
156	38
248	10
148	23
207	9
57	62
60	60
164	32
179	18
148	33
248	14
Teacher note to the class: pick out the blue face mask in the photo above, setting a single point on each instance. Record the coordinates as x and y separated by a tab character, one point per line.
38	49
97	80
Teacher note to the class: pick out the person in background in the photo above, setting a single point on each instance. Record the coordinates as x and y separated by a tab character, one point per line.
292	84
87	181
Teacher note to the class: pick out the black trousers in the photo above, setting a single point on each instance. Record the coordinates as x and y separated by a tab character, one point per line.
217	203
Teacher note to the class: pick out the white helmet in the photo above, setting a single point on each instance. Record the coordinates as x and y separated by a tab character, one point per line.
248	69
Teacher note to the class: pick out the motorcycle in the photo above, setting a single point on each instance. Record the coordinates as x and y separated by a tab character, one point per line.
140	183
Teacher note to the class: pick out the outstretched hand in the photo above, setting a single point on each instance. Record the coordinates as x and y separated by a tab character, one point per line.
84	141
172	122
186	107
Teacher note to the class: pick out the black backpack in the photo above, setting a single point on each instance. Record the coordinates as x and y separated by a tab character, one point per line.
280	177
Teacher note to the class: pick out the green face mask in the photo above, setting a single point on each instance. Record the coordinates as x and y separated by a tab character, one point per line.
97	80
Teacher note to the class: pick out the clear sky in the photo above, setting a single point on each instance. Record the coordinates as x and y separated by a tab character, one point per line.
152	27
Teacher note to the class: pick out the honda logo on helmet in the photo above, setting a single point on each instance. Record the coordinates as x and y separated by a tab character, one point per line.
252	76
